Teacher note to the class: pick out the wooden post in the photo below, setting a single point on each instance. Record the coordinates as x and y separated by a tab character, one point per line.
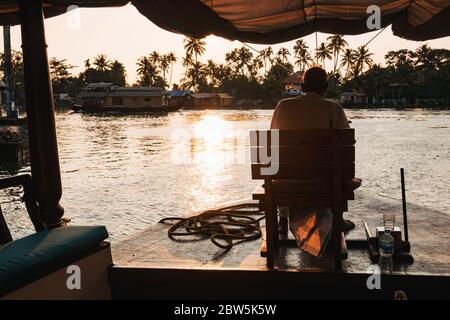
7	69
44	158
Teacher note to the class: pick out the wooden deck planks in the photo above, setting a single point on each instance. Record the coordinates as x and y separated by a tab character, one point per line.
429	236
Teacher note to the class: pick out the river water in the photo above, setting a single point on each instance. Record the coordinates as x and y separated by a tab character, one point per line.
129	171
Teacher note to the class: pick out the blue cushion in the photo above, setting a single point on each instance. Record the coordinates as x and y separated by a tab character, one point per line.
25	260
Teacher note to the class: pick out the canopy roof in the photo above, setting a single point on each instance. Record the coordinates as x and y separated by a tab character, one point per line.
271	21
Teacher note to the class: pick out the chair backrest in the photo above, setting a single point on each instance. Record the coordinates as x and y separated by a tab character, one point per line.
328	155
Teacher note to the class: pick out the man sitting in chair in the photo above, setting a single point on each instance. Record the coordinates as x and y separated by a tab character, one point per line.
310	111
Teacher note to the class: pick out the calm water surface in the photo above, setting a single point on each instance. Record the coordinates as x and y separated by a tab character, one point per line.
127	172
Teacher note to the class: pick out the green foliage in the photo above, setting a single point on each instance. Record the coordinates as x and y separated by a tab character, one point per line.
17	77
423	73
420	74
103	70
272	84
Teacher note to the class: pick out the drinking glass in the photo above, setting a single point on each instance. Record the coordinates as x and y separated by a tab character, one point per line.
389	221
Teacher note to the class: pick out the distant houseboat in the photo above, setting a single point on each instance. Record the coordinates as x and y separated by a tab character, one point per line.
208	101
98	97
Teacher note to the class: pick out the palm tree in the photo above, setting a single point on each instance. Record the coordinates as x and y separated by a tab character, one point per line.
59	69
143	66
362	58
146	71
425	58
164	65
171	59
211	70
303	59
194	46
300	47
87	66
118	73
400	58
244	59
262	57
231	58
155	57
187	62
87	63
257	64
283	53
348	60
268	54
336	44
323	53
240	59
196	74
101	63
222	73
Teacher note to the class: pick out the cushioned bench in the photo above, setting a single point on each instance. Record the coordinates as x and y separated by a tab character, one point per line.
28	259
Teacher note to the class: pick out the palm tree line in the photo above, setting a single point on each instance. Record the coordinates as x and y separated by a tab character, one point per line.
259	75
243	62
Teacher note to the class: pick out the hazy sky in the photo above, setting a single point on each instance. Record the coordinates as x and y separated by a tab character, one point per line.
124	34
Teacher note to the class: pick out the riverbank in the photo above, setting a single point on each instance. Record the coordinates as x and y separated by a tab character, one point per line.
345	106
13	139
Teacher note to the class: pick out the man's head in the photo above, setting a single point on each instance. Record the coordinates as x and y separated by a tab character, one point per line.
315	80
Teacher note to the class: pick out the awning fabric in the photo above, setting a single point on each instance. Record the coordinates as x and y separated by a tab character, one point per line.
271	21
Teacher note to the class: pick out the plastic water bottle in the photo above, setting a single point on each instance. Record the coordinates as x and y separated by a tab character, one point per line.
386	244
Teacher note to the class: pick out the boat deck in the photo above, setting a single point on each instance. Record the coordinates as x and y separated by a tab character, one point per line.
153	266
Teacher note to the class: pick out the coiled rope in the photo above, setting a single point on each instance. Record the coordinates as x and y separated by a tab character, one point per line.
236	223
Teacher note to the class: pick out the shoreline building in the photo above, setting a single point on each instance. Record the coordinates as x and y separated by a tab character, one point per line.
208	100
353	98
292	84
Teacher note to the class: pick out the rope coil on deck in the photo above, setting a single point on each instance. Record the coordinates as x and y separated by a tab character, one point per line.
222	226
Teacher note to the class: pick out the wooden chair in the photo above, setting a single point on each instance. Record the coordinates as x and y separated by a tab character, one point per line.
324	158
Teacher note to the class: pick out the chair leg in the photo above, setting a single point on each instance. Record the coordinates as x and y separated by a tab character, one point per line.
284	227
271	233
338	255
276	238
337	240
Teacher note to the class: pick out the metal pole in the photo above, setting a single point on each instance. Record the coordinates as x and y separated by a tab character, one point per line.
7	68
405	214
46	176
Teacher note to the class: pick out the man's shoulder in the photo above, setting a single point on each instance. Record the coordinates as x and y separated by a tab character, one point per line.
304	100
333	104
291	100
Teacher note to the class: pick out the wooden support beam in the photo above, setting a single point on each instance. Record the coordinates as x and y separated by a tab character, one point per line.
7	68
44	158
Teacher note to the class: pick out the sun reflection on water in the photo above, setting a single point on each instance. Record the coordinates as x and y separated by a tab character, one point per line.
211	142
